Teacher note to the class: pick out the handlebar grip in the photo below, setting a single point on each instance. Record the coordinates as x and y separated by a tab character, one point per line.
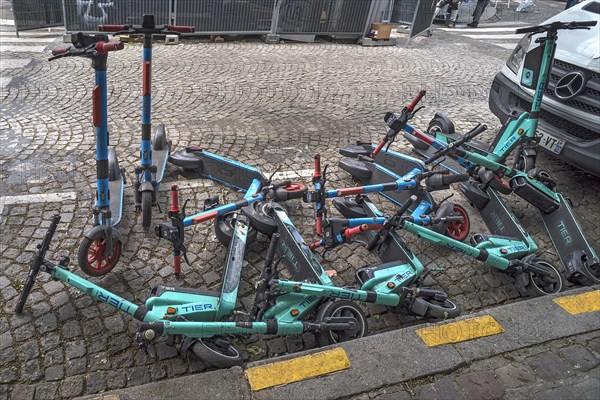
182	28
351	232
416	100
177	264
105	47
406	205
529	29
448	179
112	28
478	129
583	23
60	51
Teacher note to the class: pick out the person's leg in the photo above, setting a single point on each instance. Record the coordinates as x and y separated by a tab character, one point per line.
439	6
481	5
571	3
453	8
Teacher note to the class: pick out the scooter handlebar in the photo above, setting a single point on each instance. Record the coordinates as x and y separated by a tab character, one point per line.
416	100
182	28
112	28
105	47
62	50
555	26
451	146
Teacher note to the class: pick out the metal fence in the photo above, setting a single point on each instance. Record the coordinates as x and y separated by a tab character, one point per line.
404	11
323	17
86	15
34	14
226	16
304	17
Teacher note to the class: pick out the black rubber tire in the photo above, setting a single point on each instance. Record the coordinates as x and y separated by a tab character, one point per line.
160	138
340	308
260	219
446	310
440	124
293	191
146	209
526	163
541	286
224	230
217	351
83	254
114	173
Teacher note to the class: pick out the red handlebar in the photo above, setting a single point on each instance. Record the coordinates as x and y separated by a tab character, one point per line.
112	28
182	29
105	47
56	52
416	100
177	264
174	199
317	166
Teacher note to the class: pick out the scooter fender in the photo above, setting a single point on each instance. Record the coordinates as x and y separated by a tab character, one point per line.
97	230
146	187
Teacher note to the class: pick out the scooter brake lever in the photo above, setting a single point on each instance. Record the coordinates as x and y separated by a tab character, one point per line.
268	182
185	257
183	208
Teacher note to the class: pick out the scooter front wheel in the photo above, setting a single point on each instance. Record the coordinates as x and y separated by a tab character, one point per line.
541	285
91	258
340	308
440	310
224	230
217	351
146	209
259	217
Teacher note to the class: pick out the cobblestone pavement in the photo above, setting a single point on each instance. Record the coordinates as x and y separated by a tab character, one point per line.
264	105
561	369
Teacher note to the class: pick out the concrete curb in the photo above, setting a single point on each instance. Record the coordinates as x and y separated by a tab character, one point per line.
388	358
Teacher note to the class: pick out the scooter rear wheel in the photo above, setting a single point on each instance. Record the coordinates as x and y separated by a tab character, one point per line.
340	308
146	209
160	138
540	285
91	258
217	351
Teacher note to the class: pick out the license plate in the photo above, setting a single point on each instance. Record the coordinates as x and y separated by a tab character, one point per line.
551	143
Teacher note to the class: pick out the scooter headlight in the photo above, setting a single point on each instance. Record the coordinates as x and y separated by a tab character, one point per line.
518	54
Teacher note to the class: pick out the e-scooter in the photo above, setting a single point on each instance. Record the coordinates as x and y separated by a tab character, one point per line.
101	246
153	154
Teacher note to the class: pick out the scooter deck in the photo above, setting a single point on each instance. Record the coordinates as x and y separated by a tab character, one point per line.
391	166
500	219
115	189
159	159
567	236
218	168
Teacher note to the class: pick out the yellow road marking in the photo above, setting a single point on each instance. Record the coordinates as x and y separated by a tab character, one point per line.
297	369
580	303
460	331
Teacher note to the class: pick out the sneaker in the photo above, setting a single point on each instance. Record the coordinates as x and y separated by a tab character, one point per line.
472	25
450	24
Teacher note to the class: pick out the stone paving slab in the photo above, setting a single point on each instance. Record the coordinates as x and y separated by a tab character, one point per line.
264	105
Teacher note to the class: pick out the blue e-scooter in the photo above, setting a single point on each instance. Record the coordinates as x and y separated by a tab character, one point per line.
100	249
153	153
